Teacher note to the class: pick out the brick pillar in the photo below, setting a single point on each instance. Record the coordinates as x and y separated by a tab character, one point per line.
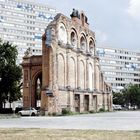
81	102
90	102
45	73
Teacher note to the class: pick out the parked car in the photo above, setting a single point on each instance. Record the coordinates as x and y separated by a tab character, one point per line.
28	112
132	107
117	107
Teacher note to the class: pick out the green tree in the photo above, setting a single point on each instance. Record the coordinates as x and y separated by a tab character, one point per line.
133	95
10	73
130	95
118	98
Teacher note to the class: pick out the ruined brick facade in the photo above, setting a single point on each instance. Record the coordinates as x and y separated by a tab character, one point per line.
71	76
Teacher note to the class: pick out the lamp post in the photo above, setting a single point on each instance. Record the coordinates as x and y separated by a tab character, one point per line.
28	54
8	97
30	88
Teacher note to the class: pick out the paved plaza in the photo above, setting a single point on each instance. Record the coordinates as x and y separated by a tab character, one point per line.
120	120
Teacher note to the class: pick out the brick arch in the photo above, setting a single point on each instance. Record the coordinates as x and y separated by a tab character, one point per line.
81	79
73	31
72	72
36	88
38	72
91	45
97	76
61	70
32	68
65	27
90	76
83	41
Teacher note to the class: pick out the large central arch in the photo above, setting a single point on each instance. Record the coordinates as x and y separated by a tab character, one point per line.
36	87
32	80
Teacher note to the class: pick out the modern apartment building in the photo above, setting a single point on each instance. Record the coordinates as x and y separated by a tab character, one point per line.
22	22
119	66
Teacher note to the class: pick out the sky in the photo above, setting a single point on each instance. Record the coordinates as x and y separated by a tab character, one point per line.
116	23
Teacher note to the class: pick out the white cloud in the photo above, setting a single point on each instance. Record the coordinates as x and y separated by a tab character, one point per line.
101	36
134	9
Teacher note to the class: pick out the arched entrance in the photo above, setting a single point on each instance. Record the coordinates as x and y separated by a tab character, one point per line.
32	81
37	86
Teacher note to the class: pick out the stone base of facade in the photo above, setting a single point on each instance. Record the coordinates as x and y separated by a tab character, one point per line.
76	101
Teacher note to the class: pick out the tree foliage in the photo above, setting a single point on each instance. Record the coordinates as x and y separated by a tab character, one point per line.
10	73
118	98
130	95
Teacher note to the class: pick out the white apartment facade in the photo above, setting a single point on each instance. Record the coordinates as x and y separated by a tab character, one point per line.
119	66
22	22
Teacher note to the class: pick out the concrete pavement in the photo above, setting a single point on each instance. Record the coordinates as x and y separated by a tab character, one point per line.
121	120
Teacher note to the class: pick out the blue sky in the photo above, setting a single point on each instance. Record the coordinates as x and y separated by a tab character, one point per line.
115	22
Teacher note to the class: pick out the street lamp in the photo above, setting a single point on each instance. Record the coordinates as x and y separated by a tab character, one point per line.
8	98
28	54
30	87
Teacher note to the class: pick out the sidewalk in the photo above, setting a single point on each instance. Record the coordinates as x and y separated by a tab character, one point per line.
8	116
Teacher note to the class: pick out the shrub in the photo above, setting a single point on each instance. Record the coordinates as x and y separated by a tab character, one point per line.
101	110
54	114
91	111
49	114
18	109
66	111
6	110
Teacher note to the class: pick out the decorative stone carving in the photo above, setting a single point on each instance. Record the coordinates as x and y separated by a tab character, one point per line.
75	13
28	52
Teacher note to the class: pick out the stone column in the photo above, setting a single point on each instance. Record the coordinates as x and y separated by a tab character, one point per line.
81	102
90	102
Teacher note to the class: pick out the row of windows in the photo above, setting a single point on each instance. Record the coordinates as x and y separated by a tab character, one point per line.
21	43
27	23
37	51
110	73
7	24
124	57
31	36
115	56
26	6
118	84
122	79
102	53
13	25
112	51
17	37
108	67
119	68
126	69
122	74
39	29
108	61
15	31
30	44
17	8
47	17
126	64
38	15
19	32
125	52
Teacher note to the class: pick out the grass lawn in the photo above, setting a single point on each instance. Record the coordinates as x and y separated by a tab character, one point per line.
54	134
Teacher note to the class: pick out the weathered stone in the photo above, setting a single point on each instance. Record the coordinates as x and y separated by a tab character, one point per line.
68	75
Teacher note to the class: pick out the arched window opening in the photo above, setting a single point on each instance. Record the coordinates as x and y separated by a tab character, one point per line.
83	43
91	47
73	39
